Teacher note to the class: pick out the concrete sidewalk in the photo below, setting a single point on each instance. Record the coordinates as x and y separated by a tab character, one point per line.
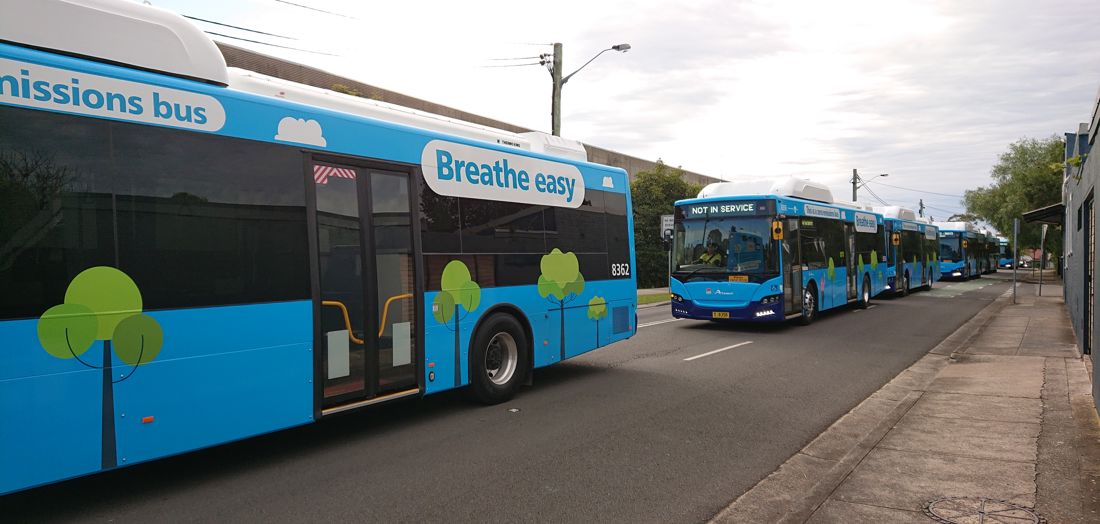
996	421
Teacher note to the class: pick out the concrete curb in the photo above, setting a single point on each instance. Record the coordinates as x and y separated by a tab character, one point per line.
654	304
797	489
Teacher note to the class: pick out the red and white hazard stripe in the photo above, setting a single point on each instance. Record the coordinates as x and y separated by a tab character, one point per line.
321	174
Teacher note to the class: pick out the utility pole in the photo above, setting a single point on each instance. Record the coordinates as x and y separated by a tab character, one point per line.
555	103
922	207
855	179
559	80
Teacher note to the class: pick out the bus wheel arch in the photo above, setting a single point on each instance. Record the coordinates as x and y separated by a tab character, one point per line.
865	292
811	303
503	332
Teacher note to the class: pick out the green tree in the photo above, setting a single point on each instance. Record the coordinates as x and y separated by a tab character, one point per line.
458	292
653	194
597	309
1027	176
561	282
102	303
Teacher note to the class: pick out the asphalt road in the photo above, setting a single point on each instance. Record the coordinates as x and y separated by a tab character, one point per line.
660	428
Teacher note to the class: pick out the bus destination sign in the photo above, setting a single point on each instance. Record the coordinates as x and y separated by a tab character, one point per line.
729	209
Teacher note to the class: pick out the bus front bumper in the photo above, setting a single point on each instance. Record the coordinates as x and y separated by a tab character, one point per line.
753	312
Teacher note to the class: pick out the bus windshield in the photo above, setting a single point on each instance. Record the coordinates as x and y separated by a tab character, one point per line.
949	248
714	248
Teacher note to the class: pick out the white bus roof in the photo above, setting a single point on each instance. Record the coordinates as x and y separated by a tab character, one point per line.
956	226
155	39
897	212
802	188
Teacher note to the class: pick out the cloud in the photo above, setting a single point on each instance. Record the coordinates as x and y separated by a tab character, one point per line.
301	131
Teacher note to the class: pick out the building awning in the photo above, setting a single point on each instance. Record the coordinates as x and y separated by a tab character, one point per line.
1054	214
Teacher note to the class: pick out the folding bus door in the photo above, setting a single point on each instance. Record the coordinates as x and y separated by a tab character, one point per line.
792	270
850	259
365	295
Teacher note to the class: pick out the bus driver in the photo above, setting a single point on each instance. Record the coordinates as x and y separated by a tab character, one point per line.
712	256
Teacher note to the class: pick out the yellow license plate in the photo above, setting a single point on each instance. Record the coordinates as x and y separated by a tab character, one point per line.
739	278
719	314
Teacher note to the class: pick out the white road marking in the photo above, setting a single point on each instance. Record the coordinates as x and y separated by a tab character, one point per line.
647	324
709	353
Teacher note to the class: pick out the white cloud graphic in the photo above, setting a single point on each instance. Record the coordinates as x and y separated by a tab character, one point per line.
608	182
301	131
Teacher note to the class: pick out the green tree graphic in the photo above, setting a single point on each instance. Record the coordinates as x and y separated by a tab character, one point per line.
102	303
597	309
860	266
831	272
561	282
458	292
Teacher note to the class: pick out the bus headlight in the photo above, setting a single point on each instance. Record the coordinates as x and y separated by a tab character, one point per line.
770	300
675	298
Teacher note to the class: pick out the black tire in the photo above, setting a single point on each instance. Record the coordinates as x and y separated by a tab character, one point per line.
809	305
498	359
865	293
928	286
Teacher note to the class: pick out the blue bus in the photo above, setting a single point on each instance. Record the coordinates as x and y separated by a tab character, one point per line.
992	251
1004	254
784	255
192	255
959	249
912	262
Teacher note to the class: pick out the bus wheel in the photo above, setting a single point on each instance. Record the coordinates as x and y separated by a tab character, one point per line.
809	305
865	294
498	359
928	286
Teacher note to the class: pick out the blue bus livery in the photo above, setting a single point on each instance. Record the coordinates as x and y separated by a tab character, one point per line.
192	255
784	255
958	250
1004	254
912	261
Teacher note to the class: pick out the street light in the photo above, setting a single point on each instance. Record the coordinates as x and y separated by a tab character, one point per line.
858	182
559	81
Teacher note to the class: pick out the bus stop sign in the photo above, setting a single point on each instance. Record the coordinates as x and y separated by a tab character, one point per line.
666	227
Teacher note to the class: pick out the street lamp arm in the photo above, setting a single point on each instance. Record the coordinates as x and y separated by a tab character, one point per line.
567	77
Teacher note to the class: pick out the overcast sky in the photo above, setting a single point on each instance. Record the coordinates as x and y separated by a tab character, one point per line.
930	92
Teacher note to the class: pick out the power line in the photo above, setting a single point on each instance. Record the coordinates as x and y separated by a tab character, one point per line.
517	58
915	190
316	9
269	44
238	27
869	190
514	65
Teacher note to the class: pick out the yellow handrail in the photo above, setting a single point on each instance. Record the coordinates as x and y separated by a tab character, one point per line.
347	319
386	310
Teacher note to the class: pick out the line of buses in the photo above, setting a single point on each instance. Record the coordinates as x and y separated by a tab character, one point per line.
796	251
194	254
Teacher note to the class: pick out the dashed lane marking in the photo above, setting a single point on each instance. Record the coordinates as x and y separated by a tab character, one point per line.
667	320
709	353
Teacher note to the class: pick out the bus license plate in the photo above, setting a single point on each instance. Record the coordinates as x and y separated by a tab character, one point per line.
719	314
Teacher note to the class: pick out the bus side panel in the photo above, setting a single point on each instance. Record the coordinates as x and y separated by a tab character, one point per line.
222	374
44	401
613	321
230	373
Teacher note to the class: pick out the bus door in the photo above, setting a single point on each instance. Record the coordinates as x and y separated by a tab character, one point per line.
922	259
365	299
792	270
850	260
